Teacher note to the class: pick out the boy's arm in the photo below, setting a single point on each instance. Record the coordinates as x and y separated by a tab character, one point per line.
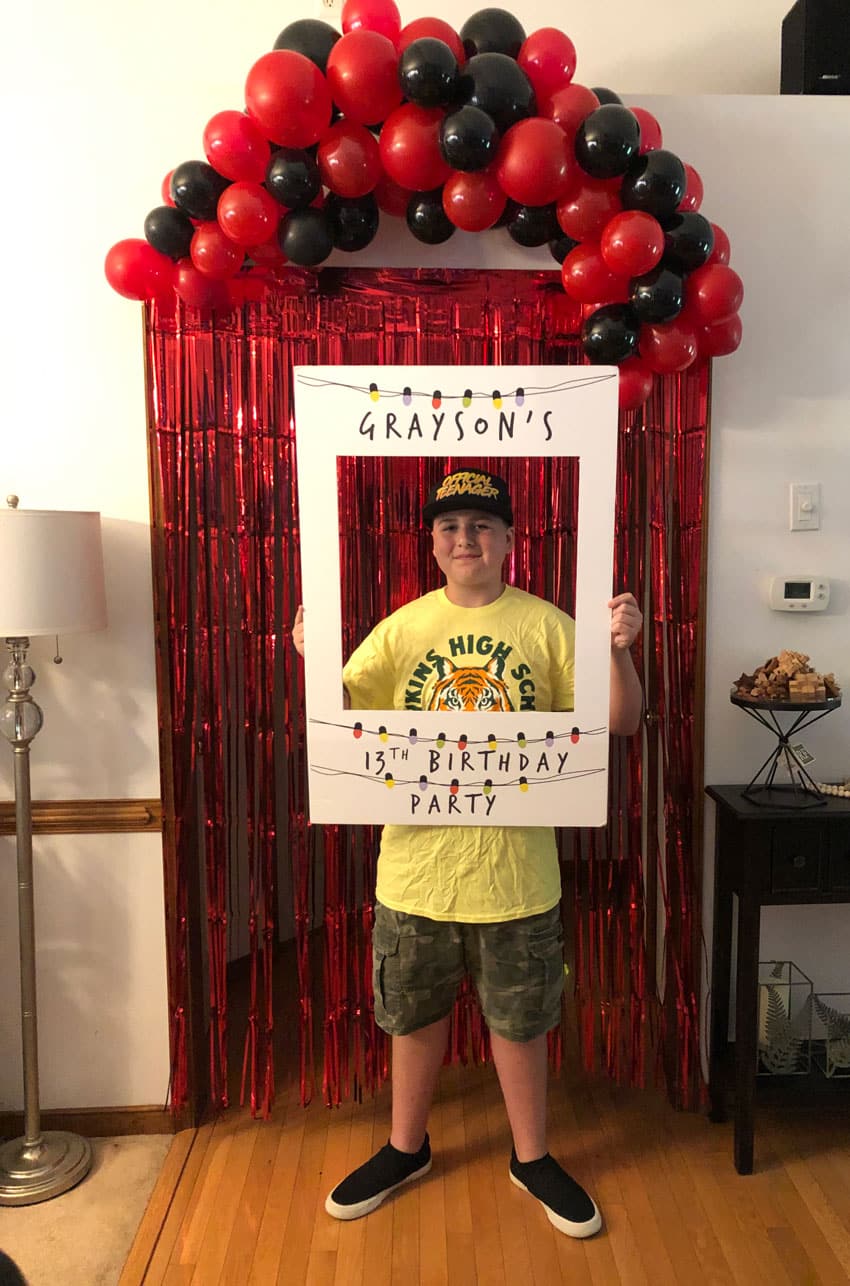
626	701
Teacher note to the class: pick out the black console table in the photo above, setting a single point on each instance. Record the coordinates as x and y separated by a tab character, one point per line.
768	856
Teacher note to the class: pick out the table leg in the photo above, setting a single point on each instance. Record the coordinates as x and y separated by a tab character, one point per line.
721	970
746	1029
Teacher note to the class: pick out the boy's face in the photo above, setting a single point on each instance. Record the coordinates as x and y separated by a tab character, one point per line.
470	547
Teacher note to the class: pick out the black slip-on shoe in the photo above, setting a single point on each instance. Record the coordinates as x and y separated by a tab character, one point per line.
371	1183
566	1203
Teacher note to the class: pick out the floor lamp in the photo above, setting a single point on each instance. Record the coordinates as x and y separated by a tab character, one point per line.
52	584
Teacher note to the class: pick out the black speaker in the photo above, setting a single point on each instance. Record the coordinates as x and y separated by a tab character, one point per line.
816	48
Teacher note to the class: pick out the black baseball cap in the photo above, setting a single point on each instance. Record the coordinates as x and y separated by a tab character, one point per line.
469	489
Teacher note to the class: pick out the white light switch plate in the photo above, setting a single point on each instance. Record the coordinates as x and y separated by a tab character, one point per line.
805	506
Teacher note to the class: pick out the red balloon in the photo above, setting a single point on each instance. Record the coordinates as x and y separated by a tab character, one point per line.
349	160
722	249
391	198
714	293
236	147
548	58
588	279
668	348
288	97
410	147
635	383
692	200
650	130
569	106
632	243
247	213
167	198
137	271
722	339
198	290
214	254
437	30
372	15
473	201
363	76
586	210
534	164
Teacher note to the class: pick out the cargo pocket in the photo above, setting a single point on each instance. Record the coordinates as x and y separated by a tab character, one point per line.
386	981
547	951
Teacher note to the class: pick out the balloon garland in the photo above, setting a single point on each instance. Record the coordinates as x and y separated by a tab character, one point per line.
477	129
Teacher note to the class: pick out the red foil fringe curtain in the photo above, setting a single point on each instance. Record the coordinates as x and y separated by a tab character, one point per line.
231	699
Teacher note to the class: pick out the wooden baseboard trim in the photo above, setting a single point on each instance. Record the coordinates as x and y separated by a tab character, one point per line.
95	1122
86	816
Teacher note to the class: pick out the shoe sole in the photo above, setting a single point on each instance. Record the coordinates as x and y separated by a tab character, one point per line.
578	1230
366	1207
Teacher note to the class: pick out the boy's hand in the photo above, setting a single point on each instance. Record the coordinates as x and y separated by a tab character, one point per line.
298	631
626	621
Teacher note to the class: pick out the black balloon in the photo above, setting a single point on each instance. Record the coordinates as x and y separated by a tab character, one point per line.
688	239
195	189
654	183
469	139
561	246
169	231
605	95
293	177
499	86
658	296
607	141
533	225
310	37
427	71
427	219
492	31
305	237
610	335
353	221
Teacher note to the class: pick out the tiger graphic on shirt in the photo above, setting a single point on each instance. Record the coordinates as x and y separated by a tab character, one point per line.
470	688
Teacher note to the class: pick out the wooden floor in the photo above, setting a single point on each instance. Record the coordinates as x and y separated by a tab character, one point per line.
241	1201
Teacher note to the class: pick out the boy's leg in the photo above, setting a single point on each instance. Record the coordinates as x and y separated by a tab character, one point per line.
417	965
407	1154
522	1068
519	972
416	1063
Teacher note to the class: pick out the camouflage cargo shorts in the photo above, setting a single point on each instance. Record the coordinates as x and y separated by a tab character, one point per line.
517	967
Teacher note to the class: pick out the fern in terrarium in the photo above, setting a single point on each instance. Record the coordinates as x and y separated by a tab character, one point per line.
837	1027
782	1050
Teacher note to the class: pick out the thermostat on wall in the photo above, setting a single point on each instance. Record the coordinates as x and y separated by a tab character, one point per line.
799	594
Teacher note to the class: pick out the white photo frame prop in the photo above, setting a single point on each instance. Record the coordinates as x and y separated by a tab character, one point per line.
436	767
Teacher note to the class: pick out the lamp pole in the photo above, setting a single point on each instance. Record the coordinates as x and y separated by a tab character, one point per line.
38	1165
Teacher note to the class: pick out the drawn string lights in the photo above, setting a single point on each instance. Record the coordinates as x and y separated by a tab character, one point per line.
477	130
467	397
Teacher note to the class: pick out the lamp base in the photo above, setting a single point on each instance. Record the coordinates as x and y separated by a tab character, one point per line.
38	1171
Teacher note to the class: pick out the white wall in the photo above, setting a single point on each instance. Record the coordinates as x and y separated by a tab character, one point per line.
99	102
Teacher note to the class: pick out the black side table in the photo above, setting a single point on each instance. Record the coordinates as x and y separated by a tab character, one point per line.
768	856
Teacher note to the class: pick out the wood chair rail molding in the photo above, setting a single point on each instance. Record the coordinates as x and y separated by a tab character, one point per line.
86	816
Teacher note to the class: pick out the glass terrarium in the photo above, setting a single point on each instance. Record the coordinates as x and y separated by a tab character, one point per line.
831	1032
785	1019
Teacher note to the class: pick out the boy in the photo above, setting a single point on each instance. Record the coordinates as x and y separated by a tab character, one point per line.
461	899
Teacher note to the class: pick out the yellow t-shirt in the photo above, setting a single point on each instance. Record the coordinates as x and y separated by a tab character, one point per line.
516	653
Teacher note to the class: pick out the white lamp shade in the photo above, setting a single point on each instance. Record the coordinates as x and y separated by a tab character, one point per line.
51	573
